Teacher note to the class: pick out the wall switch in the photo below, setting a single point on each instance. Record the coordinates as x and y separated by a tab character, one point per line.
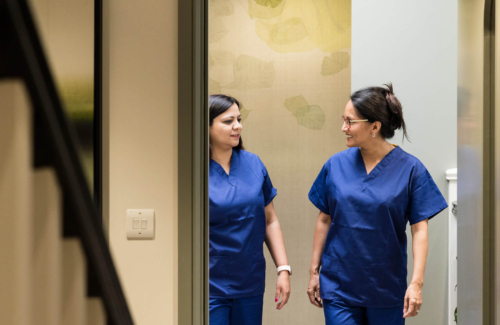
146	219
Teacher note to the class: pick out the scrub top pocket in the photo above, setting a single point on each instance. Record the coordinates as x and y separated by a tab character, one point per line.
218	271
258	274
328	280
389	280
248	274
367	285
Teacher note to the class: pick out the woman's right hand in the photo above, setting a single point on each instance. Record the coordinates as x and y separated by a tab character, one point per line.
313	290
320	233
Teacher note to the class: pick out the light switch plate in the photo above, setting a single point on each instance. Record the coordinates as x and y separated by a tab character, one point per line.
147	215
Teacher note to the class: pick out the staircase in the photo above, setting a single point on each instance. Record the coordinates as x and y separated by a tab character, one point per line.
55	264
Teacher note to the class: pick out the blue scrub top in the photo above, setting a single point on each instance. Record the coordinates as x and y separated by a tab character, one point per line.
238	226
364	261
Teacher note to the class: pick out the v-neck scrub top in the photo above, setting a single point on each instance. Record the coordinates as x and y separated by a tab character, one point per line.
238	226
364	262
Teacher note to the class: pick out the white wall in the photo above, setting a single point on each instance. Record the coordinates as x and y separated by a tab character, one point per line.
413	44
140	150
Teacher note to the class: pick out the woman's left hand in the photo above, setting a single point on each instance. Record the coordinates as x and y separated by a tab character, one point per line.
413	300
283	289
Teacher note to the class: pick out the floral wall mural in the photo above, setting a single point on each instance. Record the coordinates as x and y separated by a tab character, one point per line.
288	63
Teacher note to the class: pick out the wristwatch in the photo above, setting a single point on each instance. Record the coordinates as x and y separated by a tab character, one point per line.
284	268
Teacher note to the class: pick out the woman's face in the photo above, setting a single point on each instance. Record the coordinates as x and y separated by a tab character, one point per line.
358	133
225	130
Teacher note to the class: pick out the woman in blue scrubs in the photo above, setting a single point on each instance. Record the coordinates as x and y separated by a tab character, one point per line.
242	218
366	196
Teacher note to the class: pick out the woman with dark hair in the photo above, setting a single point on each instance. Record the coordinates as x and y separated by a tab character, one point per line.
242	218
366	195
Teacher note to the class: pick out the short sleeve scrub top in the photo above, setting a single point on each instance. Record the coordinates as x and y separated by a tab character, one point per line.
238	226
364	262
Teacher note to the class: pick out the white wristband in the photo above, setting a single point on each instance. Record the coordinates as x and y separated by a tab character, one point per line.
284	268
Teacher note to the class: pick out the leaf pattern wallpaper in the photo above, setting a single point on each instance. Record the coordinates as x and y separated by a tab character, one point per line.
288	63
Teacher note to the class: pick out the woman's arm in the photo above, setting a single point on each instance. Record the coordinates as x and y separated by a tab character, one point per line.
276	246
322	227
420	245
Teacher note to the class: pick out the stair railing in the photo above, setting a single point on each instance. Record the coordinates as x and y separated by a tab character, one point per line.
22	56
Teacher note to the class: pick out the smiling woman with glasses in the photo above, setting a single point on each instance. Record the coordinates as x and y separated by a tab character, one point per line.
366	196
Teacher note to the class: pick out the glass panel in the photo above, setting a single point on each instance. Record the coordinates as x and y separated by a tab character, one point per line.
67	32
470	161
288	63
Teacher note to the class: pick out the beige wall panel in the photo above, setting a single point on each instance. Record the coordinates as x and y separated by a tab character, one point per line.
47	249
67	31
16	181
308	57
74	283
140	165
96	314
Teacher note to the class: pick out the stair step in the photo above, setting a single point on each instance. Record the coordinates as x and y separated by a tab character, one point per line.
74	283
47	248
16	178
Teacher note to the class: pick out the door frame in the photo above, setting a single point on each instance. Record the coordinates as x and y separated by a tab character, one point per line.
193	153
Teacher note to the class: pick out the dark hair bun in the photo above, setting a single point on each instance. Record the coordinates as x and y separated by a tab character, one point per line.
395	108
381	104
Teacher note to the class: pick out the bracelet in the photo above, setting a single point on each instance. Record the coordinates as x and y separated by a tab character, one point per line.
284	268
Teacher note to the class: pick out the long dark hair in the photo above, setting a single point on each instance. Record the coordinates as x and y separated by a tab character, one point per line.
218	104
380	104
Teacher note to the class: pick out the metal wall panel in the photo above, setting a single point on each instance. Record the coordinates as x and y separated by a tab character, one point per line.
495	312
470	161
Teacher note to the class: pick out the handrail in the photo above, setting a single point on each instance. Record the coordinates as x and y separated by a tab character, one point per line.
22	56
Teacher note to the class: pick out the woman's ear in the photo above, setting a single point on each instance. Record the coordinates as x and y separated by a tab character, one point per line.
376	126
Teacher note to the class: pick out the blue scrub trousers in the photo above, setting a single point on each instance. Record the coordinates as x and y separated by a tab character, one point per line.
340	313
241	311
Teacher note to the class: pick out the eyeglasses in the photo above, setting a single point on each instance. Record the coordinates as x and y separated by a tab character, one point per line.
348	123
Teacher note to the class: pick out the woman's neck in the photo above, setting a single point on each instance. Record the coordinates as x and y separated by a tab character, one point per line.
376	152
221	154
